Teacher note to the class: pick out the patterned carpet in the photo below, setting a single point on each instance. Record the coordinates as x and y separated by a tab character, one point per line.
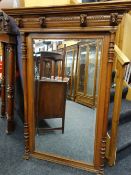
12	163
79	135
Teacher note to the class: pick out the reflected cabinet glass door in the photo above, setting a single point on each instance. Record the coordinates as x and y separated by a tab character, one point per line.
70	70
82	67
88	65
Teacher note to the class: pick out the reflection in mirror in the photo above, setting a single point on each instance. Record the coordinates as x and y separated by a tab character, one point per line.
82	65
98	63
70	69
66	76
91	68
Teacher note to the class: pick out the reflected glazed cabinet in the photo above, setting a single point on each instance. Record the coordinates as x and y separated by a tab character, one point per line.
82	64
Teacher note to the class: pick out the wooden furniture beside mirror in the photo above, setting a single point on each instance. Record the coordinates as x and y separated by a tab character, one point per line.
95	21
8	47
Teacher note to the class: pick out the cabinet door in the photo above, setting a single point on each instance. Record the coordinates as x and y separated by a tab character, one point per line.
88	71
69	63
70	69
74	71
82	67
91	68
99	53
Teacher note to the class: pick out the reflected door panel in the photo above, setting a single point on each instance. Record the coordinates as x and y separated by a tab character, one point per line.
91	69
70	69
82	67
99	53
74	70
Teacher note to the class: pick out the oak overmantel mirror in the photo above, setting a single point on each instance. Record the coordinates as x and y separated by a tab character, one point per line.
67	54
70	136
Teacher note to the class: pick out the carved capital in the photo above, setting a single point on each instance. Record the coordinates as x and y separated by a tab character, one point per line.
83	20
42	22
19	22
114	19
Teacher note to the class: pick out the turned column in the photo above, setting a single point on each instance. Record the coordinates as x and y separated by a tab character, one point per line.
3	90
24	67
10	87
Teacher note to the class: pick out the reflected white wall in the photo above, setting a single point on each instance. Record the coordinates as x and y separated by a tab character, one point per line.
9	4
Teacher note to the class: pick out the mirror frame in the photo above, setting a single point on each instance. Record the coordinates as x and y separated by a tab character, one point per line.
100	139
85	19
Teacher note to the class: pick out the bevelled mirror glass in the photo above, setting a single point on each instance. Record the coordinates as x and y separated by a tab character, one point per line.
66	78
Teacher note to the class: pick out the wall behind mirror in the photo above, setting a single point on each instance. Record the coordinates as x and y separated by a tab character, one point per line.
9	4
32	3
66	77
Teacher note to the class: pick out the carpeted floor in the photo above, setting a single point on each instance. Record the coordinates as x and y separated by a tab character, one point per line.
12	163
79	134
125	112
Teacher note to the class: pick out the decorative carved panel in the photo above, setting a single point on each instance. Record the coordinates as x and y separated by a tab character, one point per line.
4	22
